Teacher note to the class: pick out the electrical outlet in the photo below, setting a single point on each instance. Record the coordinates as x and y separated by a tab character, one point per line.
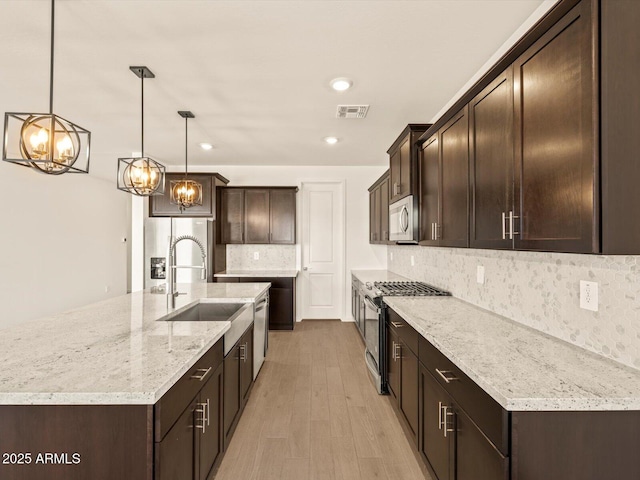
413	261
589	295
480	274
256	255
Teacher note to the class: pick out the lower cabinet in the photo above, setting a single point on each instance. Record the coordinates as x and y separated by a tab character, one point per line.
193	444
238	380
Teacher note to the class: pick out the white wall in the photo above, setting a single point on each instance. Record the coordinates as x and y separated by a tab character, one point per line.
61	242
359	253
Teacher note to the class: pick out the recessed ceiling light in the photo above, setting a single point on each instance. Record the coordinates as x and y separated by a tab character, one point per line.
205	146
341	84
331	140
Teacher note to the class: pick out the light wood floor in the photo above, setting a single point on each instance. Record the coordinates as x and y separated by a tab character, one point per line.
314	414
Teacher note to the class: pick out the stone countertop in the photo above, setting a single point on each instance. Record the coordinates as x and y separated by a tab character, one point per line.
259	273
378	276
521	368
112	352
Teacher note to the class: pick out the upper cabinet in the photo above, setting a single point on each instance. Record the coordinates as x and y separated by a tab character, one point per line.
556	156
161	206
258	215
403	156
379	210
444	185
551	140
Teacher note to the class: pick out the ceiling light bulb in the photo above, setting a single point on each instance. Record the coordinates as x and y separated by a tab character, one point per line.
331	140
341	84
205	146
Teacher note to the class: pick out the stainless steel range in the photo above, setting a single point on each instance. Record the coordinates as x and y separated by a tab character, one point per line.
375	315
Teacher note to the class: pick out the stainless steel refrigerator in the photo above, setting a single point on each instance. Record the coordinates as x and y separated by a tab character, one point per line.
158	235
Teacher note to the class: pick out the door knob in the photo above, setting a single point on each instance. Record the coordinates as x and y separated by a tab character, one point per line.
305	268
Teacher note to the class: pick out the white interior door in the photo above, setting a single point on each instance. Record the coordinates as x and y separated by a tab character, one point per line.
322	279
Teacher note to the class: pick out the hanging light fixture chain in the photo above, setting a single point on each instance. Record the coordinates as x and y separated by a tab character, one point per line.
53	14
142	115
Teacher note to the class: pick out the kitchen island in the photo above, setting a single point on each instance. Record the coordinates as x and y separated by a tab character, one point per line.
94	392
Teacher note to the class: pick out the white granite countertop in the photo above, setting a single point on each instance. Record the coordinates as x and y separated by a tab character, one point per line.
259	273
112	352
521	368
378	276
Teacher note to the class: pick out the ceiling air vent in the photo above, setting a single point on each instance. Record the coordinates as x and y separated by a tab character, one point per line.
352	111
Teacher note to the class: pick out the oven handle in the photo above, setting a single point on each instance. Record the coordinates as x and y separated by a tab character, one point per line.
372	305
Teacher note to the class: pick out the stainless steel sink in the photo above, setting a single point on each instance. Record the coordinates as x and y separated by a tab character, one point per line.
207	312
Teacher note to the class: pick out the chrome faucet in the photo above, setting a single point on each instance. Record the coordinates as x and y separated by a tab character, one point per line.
172	293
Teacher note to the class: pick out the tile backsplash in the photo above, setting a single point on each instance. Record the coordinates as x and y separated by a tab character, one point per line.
271	257
541	290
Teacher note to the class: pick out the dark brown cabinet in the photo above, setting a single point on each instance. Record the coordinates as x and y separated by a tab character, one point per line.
256	216
379	210
491	143
161	206
444	190
238	380
402	369
259	215
555	126
191	415
232	213
403	159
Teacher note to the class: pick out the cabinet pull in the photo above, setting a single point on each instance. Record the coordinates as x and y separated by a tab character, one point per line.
397	325
204	374
204	419
443	374
393	350
445	421
439	415
432	231
504	226
243	352
398	348
437	228
512	232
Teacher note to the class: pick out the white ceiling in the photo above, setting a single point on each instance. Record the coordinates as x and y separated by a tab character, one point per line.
255	73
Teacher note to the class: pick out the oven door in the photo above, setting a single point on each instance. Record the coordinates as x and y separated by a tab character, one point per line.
372	329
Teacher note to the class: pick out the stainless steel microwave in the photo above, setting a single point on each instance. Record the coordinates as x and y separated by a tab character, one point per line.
403	221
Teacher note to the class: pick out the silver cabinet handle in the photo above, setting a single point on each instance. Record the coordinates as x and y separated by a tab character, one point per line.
393	350
445	420
398	348
446	375
204	374
397	325
243	356
437	228
439	415
203	411
512	232
504	226
208	414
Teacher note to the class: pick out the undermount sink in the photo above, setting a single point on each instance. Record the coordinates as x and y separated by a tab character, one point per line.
207	312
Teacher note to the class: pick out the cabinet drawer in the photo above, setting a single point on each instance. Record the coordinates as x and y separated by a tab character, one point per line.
487	414
173	403
404	331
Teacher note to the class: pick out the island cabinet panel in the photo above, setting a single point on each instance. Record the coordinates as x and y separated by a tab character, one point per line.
575	445
100	442
231	392
246	365
491	160
556	129
174	455
209	437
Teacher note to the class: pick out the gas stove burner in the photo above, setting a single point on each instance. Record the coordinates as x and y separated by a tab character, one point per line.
409	289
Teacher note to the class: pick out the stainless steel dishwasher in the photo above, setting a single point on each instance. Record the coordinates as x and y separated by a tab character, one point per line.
260	332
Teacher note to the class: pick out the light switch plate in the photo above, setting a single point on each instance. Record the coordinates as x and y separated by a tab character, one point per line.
480	274
589	295
413	261
256	255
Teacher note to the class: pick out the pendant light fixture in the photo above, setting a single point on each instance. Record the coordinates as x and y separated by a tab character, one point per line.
186	193
45	141
142	176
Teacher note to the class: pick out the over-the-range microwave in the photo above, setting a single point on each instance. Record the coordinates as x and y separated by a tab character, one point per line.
403	221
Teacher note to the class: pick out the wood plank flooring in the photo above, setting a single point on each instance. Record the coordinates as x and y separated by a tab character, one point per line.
314	414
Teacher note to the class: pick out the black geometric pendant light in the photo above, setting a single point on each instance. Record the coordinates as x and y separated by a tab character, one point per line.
46	142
